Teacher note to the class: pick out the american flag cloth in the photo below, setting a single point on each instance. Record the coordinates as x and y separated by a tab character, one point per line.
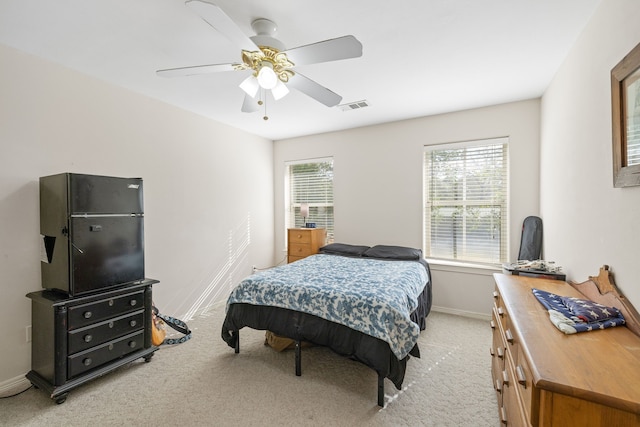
572	315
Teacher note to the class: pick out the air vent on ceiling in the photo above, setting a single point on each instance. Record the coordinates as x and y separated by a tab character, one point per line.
354	105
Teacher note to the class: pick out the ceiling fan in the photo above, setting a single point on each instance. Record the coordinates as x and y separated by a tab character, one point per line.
271	65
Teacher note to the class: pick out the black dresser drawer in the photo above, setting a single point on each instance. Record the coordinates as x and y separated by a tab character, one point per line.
107	352
87	314
98	333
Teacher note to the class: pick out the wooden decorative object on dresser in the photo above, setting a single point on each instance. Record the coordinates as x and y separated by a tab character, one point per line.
544	377
302	242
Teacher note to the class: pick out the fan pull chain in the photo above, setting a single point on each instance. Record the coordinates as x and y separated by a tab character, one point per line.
265	117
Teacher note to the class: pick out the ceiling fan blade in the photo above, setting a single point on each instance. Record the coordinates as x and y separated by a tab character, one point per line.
219	20
194	70
249	105
329	50
314	90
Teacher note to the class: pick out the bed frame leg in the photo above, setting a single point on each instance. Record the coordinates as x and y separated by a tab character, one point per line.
380	390
237	349
298	359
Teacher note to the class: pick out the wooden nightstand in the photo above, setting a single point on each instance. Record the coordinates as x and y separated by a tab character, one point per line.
302	242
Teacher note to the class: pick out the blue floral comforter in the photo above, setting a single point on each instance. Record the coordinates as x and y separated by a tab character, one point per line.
375	297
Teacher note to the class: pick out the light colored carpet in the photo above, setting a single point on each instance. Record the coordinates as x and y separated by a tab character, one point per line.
204	383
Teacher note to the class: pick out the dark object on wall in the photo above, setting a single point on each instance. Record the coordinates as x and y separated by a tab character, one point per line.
531	240
93	232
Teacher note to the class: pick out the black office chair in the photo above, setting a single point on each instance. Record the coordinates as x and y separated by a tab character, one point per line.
531	240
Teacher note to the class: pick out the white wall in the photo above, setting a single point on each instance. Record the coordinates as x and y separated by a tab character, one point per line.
378	185
588	222
208	188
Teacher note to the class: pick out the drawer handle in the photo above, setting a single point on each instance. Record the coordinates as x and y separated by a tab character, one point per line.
500	311
498	386
496	295
87	361
500	353
133	302
111	303
505	378
509	336
522	378
299	236
493	325
133	323
87	314
491	352
132	344
111	325
503	415
88	338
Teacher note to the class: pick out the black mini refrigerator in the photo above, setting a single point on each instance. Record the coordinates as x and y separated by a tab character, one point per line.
92	231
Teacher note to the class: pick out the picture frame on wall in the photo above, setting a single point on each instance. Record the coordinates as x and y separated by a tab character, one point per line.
625	103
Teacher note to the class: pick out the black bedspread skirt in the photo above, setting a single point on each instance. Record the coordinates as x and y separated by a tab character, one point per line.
343	340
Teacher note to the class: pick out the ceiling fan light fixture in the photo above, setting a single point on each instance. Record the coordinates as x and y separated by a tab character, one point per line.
250	85
267	77
279	91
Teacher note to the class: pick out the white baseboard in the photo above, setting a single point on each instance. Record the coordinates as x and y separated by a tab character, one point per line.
479	316
14	385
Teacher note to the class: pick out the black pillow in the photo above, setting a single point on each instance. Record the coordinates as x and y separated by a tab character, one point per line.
343	249
393	252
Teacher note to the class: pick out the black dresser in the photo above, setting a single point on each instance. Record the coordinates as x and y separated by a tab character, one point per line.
78	339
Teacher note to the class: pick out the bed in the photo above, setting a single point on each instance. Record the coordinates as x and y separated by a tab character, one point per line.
365	303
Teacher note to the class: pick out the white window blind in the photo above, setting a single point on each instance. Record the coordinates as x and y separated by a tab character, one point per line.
465	201
310	182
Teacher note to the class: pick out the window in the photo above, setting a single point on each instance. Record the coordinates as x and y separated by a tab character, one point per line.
310	182
465	201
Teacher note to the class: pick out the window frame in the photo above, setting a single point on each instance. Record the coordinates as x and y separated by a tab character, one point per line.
290	222
503	246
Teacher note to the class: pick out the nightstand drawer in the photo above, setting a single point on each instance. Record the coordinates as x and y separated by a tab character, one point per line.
299	236
83	338
86	314
97	356
300	250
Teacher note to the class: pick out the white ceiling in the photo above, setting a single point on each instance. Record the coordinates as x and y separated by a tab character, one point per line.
420	57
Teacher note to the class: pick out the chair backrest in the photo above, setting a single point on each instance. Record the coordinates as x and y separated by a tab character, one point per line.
531	240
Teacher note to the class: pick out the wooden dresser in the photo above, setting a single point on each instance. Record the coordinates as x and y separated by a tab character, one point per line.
302	242
544	377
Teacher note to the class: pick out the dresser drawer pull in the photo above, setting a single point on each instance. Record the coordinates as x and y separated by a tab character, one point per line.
496	294
111	303
500	311
133	302
498	386
505	378
522	378
493	325
88	338
87	314
133	323
509	336
503	415
500	353
87	361
491	352
132	344
111	325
